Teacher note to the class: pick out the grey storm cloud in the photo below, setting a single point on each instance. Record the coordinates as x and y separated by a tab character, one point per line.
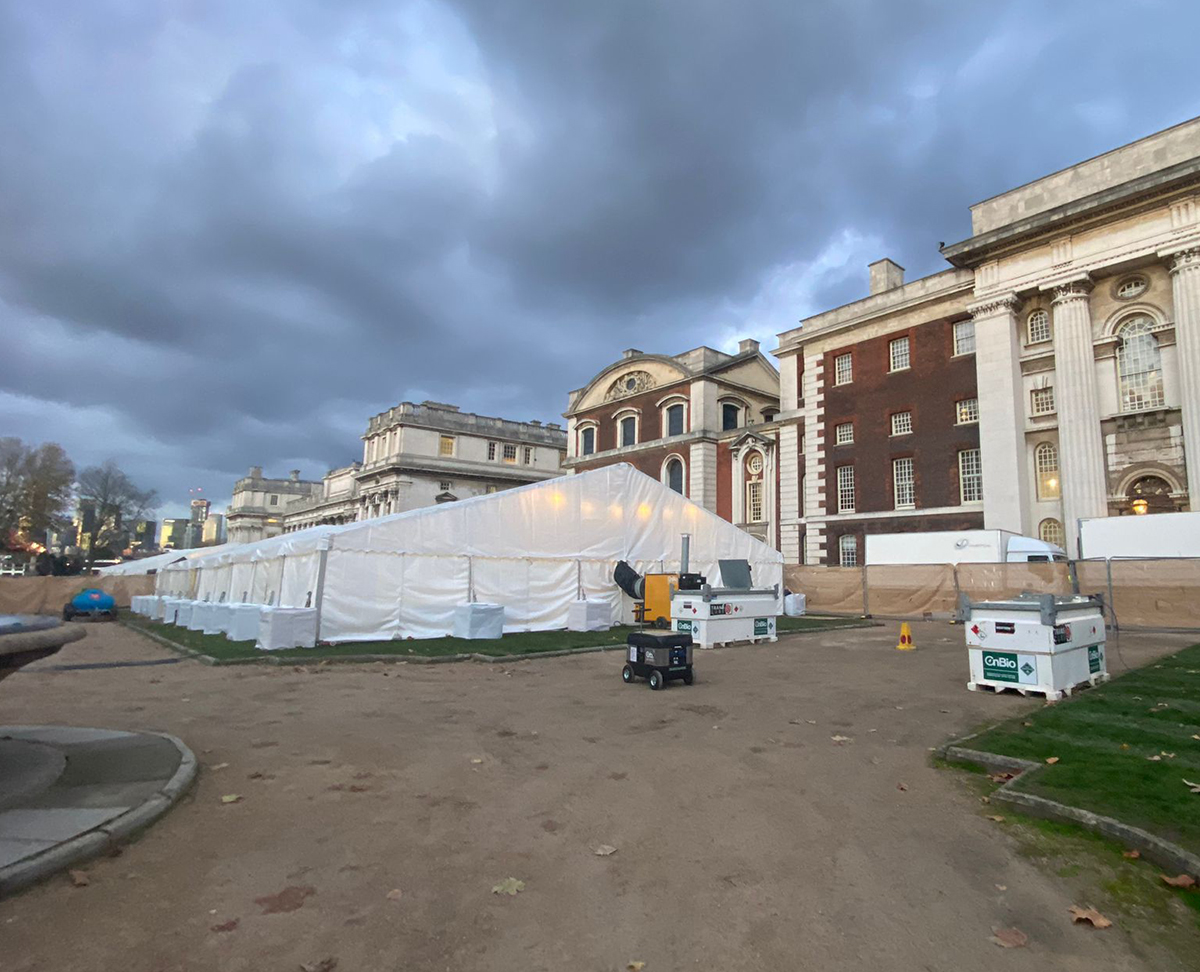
230	232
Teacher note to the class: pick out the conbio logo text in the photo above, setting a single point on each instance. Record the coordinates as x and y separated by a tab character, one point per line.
999	661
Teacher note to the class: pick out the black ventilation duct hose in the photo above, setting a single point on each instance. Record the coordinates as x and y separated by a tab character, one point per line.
629	580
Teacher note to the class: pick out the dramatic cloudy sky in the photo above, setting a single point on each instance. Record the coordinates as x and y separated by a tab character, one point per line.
231	231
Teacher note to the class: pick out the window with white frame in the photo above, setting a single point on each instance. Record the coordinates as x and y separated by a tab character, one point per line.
966	411
510	452
964	337
1131	287
674	421
1050	530
673	474
1038	327
901	423
628	430
845	489
844	433
843	369
970	476
848	550
1045	461
903	487
1042	400
445	485
445	445
898	354
587	442
1139	366
527	455
491	451
731	416
754	501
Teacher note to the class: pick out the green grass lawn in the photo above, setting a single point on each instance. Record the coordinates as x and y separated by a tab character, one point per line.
1104	738
218	646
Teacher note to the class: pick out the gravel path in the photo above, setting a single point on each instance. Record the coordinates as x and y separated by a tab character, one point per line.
748	835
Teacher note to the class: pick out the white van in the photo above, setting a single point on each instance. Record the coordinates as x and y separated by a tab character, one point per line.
960	547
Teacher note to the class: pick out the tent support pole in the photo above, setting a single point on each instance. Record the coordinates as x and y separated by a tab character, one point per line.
319	594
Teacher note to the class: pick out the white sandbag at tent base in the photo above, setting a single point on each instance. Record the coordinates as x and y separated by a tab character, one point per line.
535	550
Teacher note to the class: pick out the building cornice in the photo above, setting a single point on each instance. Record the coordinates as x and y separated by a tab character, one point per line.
1144	191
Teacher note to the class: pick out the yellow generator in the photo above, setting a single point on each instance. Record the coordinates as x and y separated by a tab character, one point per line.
655	609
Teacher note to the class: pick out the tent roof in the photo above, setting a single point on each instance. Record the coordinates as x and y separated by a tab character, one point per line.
607	513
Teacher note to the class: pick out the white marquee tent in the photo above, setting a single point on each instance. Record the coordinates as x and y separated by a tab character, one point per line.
534	549
151	565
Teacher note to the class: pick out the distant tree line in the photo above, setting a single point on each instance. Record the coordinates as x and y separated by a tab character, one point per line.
40	493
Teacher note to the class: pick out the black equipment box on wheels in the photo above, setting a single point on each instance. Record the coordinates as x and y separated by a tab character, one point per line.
658	657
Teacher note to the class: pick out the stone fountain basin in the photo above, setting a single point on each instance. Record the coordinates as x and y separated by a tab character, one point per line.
25	638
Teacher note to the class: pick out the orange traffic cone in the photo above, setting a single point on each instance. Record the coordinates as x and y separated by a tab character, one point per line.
906	642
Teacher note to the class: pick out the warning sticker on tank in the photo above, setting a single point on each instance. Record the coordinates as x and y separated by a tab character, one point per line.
633	653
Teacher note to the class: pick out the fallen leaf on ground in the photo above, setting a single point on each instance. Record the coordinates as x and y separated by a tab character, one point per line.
1166	754
1195	735
811	722
1154	759
605	850
395	894
220	766
636	966
1051	760
1010	937
79	879
902	786
225	926
1090	915
1179	881
840	739
290	898
1133	855
477	760
1001	887
1027	724
985	799
325	965
996	817
1124	745
1194	787
1001	777
231	798
509	886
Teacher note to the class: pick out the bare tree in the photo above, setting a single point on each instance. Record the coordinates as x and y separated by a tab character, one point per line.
35	489
109	503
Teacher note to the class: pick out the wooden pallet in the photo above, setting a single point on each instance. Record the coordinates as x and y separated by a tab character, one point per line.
1027	690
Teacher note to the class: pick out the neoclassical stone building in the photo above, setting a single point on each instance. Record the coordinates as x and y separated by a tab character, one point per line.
1052	374
414	454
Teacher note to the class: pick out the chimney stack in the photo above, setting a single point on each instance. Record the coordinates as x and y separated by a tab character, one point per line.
294	475
885	275
256	472
747	345
630	353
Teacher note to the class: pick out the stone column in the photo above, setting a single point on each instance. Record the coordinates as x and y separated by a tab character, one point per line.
1001	413
1080	444
1185	288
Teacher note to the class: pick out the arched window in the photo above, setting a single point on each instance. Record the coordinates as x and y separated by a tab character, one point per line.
675	419
629	430
1150	494
1045	461
755	496
1039	327
1139	365
587	440
673	475
1051	531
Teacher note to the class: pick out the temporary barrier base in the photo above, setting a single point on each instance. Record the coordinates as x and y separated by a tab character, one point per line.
1050	695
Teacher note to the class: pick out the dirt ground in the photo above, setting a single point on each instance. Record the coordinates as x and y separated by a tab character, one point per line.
747	837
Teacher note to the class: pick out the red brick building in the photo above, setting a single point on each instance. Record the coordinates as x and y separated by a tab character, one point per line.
702	422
